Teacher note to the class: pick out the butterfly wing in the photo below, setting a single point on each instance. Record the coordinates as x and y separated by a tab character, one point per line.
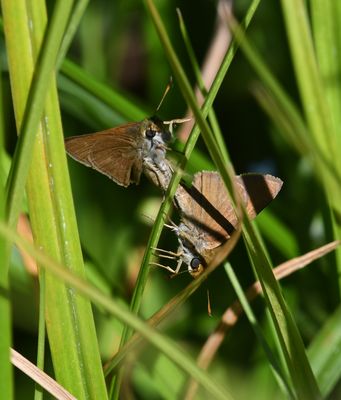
207	209
208	212
114	152
260	190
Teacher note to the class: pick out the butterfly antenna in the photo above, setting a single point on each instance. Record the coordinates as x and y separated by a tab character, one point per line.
176	121
168	87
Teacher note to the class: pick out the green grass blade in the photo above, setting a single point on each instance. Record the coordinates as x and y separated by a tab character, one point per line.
320	97
304	383
284	383
278	234
326	18
324	354
41	333
308	77
76	16
6	382
35	100
76	360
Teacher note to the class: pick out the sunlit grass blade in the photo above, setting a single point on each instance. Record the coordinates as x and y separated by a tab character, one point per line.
6	383
28	118
230	316
309	80
41	332
76	360
320	98
325	22
72	26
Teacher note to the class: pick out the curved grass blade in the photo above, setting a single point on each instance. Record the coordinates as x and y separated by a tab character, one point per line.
76	361
165	345
184	85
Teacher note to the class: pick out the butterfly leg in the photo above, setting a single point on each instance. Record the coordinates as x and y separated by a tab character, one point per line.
170	255
164	267
167	253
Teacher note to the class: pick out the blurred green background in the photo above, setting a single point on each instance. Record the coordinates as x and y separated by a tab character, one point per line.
116	44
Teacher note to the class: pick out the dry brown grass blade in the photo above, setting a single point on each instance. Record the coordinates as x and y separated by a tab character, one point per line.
231	315
40	377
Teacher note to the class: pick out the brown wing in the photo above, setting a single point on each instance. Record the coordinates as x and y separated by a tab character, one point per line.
260	191
207	209
113	152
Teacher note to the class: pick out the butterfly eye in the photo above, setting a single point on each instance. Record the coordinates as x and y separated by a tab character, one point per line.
195	263
150	133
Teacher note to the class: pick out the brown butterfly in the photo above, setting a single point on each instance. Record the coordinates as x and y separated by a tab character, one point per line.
123	152
208	218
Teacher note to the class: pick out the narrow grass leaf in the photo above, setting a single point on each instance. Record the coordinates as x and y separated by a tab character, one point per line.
279	373
292	347
324	354
281	237
6	382
76	360
319	96
75	17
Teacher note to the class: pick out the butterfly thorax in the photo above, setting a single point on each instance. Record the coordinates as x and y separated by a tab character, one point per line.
155	138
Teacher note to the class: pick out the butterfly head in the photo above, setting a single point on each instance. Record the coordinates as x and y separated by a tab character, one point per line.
195	263
155	133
